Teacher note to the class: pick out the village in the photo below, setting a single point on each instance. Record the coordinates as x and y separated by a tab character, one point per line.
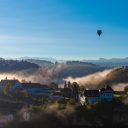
37	94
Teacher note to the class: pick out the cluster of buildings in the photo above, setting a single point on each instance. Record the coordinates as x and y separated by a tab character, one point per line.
12	87
38	91
20	90
92	96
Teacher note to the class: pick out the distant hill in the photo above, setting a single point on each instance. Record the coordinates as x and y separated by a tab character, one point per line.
40	62
78	69
114	62
68	68
16	65
47	59
46	71
117	75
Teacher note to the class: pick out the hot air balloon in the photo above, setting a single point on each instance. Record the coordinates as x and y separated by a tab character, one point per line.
99	32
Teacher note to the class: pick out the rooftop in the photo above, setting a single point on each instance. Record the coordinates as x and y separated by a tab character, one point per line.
91	93
11	82
34	85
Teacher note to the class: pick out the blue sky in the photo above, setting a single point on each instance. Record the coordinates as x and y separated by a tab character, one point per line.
63	29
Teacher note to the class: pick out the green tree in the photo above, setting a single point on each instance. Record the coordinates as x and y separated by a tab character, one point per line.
76	90
65	84
69	84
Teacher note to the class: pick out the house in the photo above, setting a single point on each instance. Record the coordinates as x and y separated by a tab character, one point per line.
106	93
37	90
10	85
33	89
91	96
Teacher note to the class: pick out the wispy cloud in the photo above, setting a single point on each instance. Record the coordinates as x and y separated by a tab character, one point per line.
15	38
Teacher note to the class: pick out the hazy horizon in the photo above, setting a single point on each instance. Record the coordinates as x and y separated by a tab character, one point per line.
63	59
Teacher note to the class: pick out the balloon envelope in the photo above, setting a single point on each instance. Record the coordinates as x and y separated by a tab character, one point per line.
99	32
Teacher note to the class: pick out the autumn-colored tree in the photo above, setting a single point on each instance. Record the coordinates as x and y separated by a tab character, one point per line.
24	93
82	88
6	89
21	93
53	85
126	89
23	81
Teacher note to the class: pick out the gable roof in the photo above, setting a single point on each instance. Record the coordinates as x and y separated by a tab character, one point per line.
11	82
108	89
34	85
91	93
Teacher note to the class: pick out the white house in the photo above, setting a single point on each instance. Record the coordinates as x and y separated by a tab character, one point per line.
92	96
13	85
106	93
